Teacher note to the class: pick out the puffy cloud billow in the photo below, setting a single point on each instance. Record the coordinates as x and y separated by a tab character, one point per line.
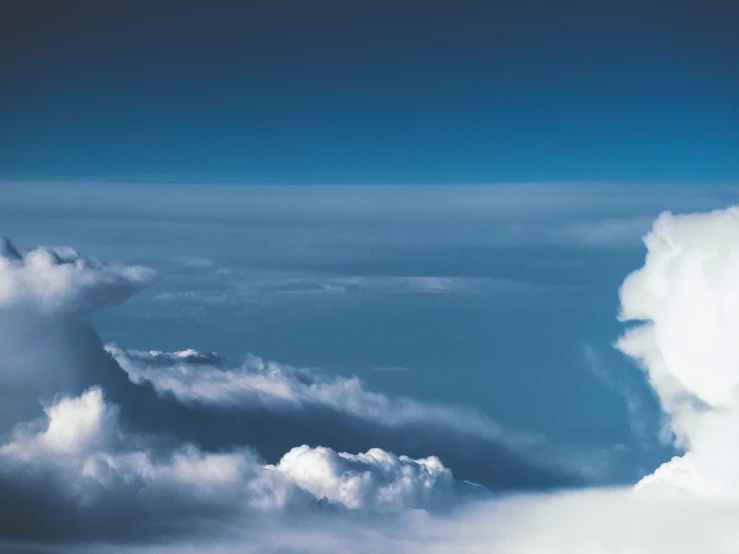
119	444
687	294
45	348
61	280
81	458
129	445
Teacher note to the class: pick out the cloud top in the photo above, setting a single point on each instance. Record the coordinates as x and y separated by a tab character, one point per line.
61	280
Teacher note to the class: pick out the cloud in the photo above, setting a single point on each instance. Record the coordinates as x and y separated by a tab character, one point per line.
197	262
236	286
60	280
392	369
272	406
132	456
687	297
635	409
91	449
75	425
45	348
101	472
210	379
376	480
612	521
605	232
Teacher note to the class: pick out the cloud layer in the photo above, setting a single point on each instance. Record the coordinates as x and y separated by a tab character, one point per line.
209	379
89	466
109	443
272	406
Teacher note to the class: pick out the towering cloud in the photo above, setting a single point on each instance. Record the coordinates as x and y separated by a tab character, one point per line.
687	297
45	348
59	280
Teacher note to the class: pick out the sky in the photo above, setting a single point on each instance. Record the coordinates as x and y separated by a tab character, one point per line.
323	277
336	92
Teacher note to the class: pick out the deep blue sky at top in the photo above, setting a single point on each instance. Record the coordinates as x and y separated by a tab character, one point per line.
369	92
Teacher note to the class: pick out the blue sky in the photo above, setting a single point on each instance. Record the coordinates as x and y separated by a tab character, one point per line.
351	92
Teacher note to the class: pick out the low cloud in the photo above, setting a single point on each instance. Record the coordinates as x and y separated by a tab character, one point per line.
218	402
91	466
127	445
250	382
99	470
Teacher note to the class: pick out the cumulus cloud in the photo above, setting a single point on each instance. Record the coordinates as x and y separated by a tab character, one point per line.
45	348
687	297
100	442
61	280
80	471
376	479
96	469
74	426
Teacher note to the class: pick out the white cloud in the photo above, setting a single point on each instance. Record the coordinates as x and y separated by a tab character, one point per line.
60	280
95	464
249	382
75	426
374	480
45	348
77	471
48	352
686	300
615	521
687	295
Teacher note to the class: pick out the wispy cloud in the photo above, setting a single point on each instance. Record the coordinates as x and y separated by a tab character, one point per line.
392	369
636	413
